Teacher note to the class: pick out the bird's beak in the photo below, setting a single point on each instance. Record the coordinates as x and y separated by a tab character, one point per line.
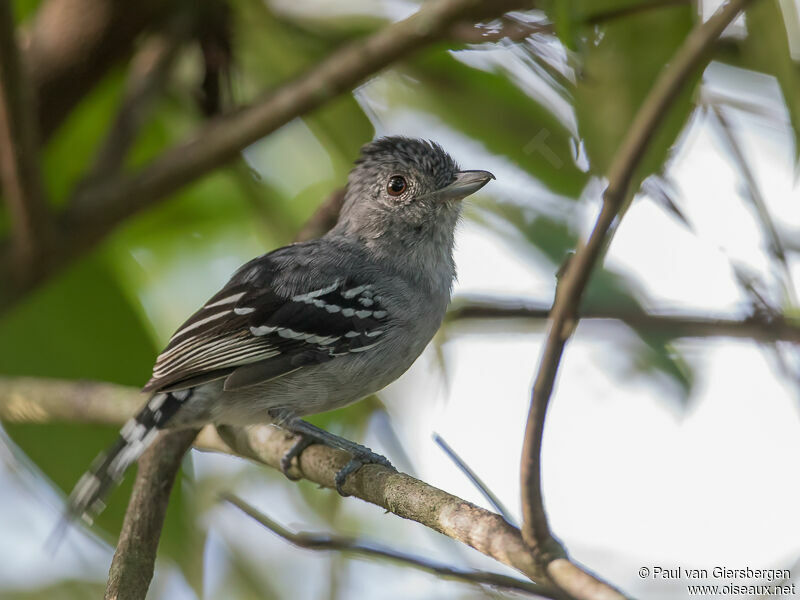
466	183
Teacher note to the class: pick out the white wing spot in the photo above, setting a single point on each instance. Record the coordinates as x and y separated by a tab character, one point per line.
379	314
287	333
262	330
355	291
246	310
316	293
363	314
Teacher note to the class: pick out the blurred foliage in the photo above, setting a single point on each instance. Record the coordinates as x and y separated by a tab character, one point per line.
555	107
521	128
616	76
63	590
767	49
555	240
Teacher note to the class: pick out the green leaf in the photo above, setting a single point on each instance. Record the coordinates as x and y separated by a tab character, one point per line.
606	289
82	326
766	49
490	107
621	61
60	590
72	148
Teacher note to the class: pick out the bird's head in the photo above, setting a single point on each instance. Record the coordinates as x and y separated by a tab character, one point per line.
407	191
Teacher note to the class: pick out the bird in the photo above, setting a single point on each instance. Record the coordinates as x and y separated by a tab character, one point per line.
315	325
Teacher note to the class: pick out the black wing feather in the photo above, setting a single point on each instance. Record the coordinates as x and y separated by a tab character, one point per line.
252	331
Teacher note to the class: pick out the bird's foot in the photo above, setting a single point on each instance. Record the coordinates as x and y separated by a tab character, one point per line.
303	442
309	434
362	456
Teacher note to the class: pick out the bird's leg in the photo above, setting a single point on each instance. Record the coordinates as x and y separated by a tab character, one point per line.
310	434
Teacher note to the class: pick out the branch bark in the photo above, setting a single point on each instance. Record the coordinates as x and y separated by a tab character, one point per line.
97	210
760	328
19	154
25	399
535	529
135	556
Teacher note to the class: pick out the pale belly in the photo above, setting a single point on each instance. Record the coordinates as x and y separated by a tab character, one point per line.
308	391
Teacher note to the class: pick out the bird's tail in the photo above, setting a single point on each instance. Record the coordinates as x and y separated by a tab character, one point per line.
87	500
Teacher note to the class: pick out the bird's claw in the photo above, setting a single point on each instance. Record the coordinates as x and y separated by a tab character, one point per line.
368	457
297	448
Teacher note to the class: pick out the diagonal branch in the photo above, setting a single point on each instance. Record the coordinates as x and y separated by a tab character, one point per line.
72	44
759	327
753	193
690	57
135	556
19	153
488	494
97	210
36	400
315	541
147	73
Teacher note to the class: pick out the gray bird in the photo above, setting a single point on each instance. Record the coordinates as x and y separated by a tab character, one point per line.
316	325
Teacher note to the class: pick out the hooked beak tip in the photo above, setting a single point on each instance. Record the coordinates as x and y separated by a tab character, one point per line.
467	183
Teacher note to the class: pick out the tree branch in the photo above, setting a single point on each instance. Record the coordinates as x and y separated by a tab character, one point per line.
753	194
396	492
19	154
315	541
97	210
535	529
147	73
134	560
24	399
759	327
73	43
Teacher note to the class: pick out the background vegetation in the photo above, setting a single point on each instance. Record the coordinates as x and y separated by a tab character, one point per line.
147	149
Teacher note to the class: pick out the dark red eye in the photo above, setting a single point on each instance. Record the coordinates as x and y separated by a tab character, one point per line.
396	186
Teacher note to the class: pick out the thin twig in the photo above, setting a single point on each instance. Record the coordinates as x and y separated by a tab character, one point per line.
775	244
19	153
347	545
759	327
535	529
36	400
148	71
473	477
134	560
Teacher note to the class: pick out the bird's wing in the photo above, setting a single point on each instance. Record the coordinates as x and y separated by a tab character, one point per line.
253	331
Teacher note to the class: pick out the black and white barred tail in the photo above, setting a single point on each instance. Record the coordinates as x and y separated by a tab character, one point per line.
87	500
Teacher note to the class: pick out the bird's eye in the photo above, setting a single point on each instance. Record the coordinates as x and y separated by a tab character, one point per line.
396	186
